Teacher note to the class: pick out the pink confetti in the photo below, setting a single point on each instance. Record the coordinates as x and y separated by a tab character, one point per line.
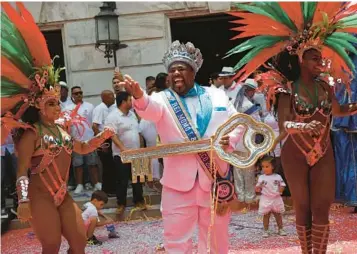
245	237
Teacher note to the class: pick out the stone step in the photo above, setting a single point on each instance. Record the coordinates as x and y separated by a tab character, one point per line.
151	197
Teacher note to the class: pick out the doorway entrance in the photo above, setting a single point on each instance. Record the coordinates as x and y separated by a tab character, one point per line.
55	47
211	34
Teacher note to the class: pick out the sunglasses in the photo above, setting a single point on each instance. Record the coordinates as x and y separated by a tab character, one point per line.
78	93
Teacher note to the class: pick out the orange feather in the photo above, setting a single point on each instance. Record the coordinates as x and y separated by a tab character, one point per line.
293	10
12	73
257	20
7	103
30	32
258	60
249	31
330	8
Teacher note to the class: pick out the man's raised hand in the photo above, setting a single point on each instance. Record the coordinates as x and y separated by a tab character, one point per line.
132	87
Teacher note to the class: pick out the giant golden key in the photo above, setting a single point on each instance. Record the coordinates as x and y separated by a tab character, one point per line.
140	158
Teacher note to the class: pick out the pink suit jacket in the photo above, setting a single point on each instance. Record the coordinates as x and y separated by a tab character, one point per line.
180	171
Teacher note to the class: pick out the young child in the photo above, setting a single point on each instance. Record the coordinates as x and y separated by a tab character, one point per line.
271	186
91	217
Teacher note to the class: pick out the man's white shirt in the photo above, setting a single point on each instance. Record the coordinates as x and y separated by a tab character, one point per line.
126	129
100	113
232	91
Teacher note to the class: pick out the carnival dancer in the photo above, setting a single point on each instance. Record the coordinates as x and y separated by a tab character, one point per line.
44	149
186	191
244	178
302	37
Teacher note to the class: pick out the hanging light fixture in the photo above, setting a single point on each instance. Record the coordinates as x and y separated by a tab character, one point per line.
107	31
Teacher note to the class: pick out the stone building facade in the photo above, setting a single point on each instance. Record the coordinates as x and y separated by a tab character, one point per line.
143	26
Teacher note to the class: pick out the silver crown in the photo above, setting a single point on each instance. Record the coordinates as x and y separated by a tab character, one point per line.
183	53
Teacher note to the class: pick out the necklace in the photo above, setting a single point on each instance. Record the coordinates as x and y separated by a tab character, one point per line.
314	99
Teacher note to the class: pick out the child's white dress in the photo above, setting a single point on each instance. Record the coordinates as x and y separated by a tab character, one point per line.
270	200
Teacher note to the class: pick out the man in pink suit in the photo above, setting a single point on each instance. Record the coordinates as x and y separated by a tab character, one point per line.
186	186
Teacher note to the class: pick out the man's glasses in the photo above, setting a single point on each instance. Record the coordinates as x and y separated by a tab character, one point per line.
78	93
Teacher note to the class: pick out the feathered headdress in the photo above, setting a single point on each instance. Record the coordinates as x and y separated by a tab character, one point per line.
296	27
27	73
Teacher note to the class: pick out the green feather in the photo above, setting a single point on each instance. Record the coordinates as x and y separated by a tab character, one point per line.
308	9
341	52
248	57
10	52
349	18
279	14
254	9
9	88
344	36
13	46
343	43
263	41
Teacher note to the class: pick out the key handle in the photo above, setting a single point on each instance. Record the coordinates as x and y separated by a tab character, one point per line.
253	129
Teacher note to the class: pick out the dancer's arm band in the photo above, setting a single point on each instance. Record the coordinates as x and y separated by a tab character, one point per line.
22	186
294	127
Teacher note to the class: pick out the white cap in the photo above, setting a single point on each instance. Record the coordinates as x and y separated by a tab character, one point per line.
62	83
227	72
251	83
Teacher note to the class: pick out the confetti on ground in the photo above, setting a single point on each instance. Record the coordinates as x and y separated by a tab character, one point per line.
245	237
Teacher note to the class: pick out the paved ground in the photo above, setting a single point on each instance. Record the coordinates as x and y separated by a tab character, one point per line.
245	237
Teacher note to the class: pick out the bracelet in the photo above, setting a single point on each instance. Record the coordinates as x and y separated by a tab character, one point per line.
293	127
352	107
22	185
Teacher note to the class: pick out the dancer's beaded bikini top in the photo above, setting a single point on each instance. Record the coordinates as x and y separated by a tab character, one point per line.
303	111
50	147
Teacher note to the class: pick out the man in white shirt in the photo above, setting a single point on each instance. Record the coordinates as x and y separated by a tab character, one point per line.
231	88
186	195
83	133
64	100
125	123
100	113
